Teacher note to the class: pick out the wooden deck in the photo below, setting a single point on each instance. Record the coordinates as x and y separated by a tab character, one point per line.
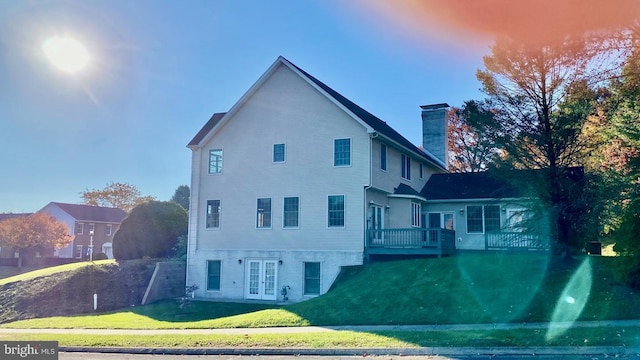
515	241
414	241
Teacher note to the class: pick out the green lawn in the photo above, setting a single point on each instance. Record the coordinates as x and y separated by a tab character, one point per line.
52	270
477	288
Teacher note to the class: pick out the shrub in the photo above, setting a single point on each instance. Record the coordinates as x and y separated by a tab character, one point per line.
151	229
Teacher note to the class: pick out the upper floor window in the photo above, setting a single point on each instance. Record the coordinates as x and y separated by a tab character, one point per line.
263	213
79	228
406	167
215	161
481	219
336	211
278	153
342	152
383	157
213	214
92	229
291	212
108	230
421	174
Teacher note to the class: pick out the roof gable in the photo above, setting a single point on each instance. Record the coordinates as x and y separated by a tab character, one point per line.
92	213
359	114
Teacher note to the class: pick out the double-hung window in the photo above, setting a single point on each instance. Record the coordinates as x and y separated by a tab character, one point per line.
342	152
263	213
213	214
312	278
79	228
481	219
108	230
213	274
291	212
215	161
405	167
278	153
383	157
336	211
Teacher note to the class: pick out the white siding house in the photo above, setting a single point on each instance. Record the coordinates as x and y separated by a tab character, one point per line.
287	185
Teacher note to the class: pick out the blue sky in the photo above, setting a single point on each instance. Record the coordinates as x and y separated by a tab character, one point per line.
160	69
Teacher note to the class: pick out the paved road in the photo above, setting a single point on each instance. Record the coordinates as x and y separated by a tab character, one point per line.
94	356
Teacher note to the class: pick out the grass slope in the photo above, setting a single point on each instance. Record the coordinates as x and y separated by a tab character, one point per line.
476	288
69	289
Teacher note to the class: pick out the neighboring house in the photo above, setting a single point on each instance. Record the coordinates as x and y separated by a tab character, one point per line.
91	226
5	251
295	181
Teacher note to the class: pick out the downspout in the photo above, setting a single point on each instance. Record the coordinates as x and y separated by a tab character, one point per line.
372	136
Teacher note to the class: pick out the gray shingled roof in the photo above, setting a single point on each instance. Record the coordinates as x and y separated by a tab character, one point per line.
215	119
93	213
371	120
478	185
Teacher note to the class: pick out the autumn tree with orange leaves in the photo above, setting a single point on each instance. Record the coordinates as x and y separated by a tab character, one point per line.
36	232
117	195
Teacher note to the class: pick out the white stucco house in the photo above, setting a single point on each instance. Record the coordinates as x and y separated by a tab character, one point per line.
295	182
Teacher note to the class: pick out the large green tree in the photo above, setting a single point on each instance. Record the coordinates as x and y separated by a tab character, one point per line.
181	196
151	229
118	195
544	96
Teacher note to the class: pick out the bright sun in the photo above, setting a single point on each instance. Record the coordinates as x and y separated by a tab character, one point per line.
66	53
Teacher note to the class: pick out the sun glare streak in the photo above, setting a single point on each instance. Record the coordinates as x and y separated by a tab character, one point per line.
67	54
572	301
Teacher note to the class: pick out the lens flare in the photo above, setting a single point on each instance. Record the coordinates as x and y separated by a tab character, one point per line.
572	301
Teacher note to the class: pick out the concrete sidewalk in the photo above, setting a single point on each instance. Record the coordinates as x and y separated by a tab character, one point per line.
312	329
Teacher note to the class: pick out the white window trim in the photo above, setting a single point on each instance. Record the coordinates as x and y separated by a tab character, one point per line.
76	250
283	217
304	294
219	216
209	162
256	215
416	215
333	154
81	232
110	227
206	282
273	148
484	224
344	211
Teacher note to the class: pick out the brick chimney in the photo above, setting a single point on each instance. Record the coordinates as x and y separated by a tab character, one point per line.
434	131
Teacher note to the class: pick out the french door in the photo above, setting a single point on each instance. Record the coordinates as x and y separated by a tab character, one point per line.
261	279
376	222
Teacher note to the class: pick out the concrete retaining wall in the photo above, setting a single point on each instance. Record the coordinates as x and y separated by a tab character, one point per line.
167	281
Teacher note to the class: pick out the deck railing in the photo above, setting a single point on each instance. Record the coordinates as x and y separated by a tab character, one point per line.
414	238
515	241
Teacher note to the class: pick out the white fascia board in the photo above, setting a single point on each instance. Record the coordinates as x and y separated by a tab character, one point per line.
404	196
